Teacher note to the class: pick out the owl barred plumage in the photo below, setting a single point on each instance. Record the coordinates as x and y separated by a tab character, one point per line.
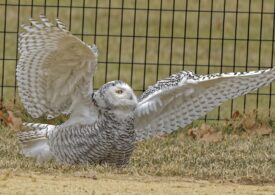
177	101
110	140
54	75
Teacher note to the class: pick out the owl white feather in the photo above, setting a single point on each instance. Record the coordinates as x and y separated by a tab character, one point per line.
54	76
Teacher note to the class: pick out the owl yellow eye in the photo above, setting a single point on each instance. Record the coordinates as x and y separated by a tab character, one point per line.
119	91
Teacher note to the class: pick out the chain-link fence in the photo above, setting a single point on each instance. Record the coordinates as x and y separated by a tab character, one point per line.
142	41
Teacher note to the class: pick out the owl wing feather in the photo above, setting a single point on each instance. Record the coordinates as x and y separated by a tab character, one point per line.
178	100
55	68
34	143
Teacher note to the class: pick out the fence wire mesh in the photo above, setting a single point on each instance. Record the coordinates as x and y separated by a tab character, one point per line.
142	41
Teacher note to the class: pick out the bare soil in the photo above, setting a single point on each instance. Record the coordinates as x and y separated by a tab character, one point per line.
35	183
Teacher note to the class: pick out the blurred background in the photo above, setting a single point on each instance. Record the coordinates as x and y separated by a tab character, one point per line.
142	41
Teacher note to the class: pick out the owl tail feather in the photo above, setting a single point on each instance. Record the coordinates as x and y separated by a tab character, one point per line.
35	142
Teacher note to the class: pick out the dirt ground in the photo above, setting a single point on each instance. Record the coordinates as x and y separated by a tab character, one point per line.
35	183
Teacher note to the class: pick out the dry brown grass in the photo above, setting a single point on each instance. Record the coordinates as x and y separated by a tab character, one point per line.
240	159
37	183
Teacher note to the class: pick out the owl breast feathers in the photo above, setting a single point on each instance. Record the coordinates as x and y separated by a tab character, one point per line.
54	75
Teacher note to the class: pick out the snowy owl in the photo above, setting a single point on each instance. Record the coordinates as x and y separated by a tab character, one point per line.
54	76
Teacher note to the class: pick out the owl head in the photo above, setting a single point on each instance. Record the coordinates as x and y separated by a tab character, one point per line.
115	95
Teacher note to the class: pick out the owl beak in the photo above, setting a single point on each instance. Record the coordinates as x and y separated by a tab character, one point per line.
130	96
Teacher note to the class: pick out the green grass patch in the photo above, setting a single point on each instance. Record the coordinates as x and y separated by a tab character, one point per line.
135	64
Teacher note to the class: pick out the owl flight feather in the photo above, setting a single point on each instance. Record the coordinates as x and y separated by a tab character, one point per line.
54	76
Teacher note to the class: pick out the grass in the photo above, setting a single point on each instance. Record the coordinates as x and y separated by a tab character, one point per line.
136	62
240	159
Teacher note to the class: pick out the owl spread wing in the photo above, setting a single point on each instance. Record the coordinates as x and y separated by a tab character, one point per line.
55	68
178	100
